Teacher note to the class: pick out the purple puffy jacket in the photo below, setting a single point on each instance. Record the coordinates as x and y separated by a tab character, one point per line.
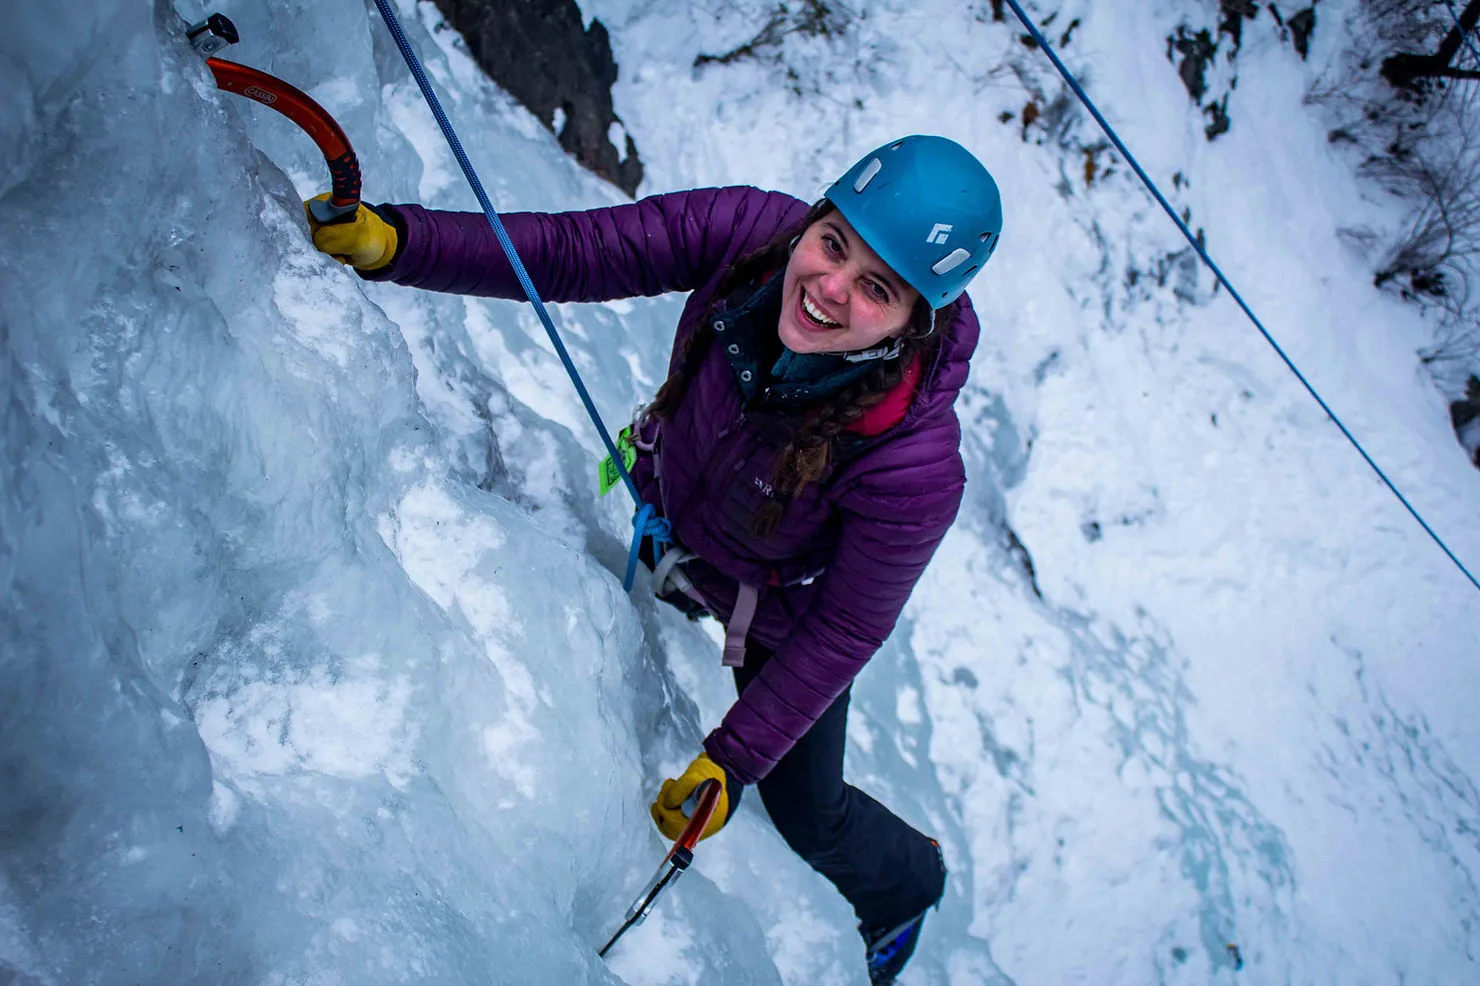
870	526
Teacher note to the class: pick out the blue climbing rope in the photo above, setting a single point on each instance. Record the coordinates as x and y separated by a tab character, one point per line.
1218	273
645	523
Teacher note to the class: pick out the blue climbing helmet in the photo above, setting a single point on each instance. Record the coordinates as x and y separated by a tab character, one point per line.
928	208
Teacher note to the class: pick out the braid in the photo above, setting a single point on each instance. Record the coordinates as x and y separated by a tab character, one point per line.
806	457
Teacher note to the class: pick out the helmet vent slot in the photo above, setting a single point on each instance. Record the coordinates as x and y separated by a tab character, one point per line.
867	175
950	261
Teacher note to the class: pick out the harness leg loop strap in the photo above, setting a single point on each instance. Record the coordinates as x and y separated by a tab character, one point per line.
739	627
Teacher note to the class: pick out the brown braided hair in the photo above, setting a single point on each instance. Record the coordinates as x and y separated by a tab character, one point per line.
808	453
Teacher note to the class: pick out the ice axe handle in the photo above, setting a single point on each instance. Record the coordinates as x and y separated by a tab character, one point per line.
699	808
669	871
704	800
298	106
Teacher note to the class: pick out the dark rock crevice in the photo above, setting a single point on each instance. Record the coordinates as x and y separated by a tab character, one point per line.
542	54
1465	416
1194	52
1302	25
1197	50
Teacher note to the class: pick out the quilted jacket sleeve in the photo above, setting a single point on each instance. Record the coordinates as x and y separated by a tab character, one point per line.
671	242
892	521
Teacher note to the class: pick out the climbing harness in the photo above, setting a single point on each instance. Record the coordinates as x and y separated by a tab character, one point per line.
701	807
646	523
1202	252
669	578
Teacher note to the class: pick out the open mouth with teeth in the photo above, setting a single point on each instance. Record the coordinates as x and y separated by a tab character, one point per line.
813	316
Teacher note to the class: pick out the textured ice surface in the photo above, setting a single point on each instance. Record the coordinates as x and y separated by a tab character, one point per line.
315	668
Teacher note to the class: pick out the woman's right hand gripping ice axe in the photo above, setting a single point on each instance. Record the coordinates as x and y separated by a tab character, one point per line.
367	241
668	808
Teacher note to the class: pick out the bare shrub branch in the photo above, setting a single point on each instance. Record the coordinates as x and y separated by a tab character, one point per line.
1421	144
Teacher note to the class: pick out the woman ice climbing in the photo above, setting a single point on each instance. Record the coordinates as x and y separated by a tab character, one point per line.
804	448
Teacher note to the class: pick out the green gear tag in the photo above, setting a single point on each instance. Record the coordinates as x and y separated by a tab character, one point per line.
606	473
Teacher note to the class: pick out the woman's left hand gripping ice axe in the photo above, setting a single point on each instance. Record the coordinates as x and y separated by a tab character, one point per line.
366	239
668	810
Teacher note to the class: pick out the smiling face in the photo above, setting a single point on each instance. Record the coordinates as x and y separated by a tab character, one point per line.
838	295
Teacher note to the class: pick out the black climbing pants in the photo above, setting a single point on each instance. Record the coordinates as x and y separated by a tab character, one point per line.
883	867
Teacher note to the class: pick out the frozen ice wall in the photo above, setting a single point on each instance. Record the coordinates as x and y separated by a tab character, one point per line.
287	696
314	668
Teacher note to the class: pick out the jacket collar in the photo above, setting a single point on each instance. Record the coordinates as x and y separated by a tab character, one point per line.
738	329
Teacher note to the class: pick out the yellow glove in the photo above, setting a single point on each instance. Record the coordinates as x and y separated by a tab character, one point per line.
667	810
366	242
